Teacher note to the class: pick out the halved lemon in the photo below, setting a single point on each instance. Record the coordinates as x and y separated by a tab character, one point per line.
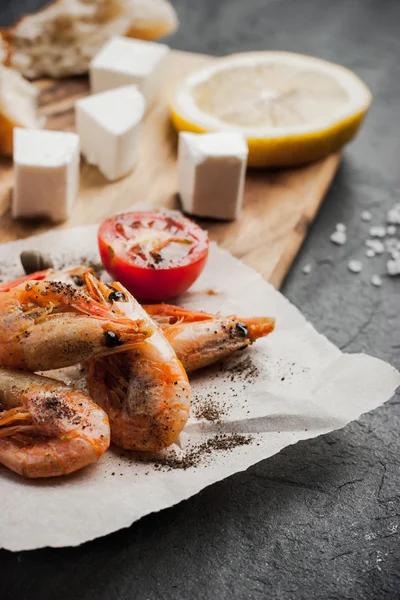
292	108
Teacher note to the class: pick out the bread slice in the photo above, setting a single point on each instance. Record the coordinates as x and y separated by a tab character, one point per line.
18	102
3	50
151	19
61	39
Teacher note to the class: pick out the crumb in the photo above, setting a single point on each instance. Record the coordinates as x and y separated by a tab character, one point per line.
307	269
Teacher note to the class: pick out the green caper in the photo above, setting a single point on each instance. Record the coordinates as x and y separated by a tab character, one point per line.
33	260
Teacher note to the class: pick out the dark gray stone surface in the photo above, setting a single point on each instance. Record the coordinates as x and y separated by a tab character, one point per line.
321	520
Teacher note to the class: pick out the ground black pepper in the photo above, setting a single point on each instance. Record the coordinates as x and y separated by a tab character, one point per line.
197	454
245	370
60	409
209	411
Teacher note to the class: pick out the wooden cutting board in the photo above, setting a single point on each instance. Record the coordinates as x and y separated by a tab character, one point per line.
279	205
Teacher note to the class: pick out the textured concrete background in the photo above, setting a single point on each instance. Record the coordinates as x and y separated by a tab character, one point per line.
321	520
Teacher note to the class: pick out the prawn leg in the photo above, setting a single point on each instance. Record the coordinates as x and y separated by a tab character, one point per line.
13	417
168	314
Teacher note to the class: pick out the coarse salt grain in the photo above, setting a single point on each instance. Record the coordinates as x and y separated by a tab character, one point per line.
376	245
392	245
393	267
307	269
393	216
391	230
366	215
376	280
355	266
369	253
338	237
341	227
377	231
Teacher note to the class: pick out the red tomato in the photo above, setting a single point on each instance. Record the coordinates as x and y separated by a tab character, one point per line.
155	255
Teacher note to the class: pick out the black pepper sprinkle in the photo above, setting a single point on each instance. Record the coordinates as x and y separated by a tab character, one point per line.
198	453
209	411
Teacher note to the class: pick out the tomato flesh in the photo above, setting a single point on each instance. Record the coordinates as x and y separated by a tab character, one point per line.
155	255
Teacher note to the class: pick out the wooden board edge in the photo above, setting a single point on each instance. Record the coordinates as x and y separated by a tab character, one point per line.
282	269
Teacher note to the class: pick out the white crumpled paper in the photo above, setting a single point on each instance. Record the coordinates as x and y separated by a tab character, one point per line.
289	386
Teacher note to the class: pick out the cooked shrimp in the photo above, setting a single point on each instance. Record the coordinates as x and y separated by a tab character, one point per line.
47	325
145	392
46	428
200	339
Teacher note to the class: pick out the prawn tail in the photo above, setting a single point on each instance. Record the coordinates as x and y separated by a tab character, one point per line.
168	314
258	326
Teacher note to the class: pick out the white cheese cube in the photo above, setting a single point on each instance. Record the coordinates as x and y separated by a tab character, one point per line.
123	61
211	173
108	126
46	173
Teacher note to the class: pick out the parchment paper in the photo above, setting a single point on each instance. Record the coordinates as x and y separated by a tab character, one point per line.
293	385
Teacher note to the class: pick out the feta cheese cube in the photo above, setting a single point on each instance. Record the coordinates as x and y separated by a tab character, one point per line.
211	173
108	126
123	61
46	173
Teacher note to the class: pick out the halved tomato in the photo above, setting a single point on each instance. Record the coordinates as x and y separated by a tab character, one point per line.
155	255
